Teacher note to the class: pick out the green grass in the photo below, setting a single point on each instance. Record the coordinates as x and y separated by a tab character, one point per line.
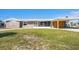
39	39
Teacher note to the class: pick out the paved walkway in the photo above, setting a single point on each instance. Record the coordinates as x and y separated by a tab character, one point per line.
7	29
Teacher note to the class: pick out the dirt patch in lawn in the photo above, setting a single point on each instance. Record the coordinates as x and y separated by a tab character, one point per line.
32	42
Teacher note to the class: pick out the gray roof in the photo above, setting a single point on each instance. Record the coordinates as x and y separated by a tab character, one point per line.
14	19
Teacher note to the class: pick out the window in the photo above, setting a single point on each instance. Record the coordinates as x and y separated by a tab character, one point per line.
25	23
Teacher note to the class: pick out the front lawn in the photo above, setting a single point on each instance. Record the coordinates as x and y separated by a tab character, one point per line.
39	39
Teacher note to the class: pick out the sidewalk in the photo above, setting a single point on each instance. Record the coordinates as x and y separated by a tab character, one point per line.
68	29
10	29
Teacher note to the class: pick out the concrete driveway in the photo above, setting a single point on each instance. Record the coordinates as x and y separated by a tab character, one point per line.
74	30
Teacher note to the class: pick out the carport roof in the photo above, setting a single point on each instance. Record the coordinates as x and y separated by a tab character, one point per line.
63	19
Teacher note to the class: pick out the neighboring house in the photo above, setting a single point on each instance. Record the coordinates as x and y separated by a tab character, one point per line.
2	24
74	23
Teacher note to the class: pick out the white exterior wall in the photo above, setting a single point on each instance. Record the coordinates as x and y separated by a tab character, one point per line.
28	26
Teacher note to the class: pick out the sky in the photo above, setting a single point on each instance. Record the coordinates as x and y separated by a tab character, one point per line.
37	13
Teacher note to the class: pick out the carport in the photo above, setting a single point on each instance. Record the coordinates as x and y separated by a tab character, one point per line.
58	23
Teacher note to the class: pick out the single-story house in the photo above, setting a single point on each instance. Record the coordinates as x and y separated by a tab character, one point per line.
35	23
2	24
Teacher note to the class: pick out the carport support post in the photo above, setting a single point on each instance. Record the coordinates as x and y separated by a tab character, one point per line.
36	23
57	24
